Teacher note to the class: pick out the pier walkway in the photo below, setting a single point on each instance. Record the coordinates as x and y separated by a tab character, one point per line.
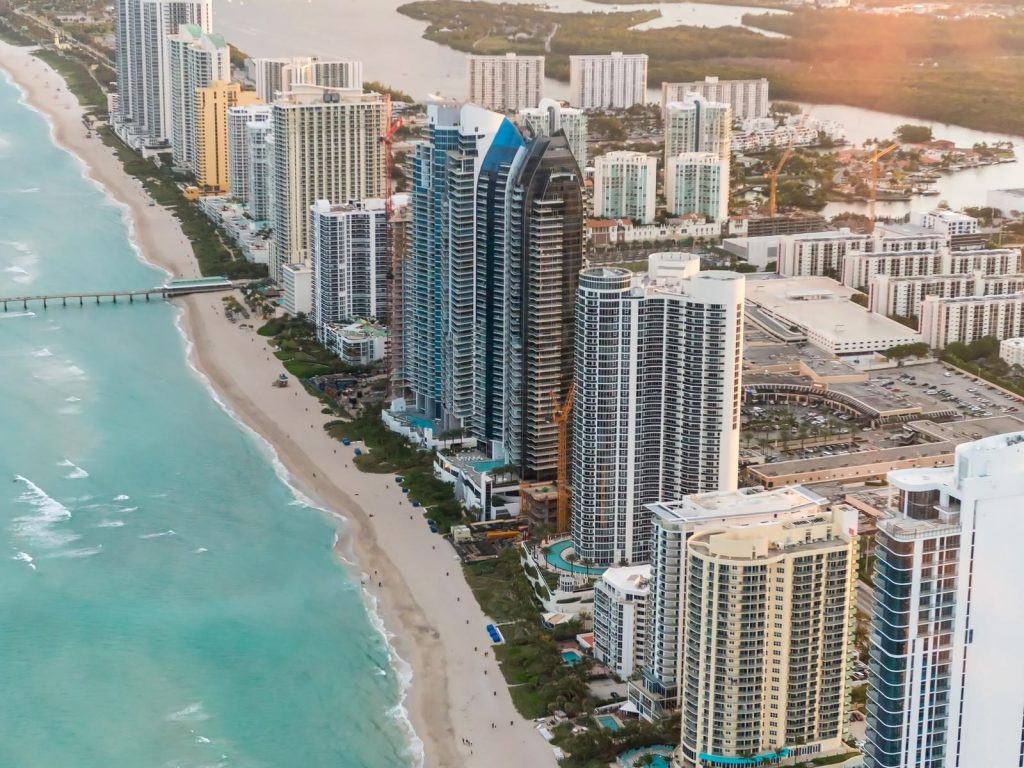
168	291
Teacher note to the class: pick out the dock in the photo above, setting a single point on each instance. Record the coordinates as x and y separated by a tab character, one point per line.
168	291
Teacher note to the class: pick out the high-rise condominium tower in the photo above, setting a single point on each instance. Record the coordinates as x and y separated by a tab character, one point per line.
196	60
626	185
239	161
212	133
326	147
698	125
698	183
615	80
505	83
276	76
944	689
748	98
143	78
550	117
657	412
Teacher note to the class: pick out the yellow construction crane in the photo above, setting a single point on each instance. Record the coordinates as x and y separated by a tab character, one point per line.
773	175
560	415
873	186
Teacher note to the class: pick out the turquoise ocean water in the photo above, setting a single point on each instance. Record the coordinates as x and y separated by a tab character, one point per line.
164	599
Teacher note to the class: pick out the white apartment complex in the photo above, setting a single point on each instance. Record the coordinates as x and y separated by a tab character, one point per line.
260	139
239	161
969	318
697	183
674	523
620	618
949	222
819	254
903	295
296	288
767	639
195	59
860	269
748	98
550	117
326	147
144	88
610	81
350	253
505	83
274	76
944	688
1012	351
698	125
625	186
656	413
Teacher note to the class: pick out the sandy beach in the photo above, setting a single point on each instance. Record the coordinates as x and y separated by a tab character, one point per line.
458	703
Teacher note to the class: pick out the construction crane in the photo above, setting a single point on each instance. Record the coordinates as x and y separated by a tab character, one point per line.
560	414
873	187
388	141
773	175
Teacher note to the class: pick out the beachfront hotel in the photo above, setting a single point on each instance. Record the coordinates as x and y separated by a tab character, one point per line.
142	27
196	60
657	409
551	116
505	83
608	81
620	618
239	149
625	186
747	98
275	76
326	147
212	136
351	258
944	687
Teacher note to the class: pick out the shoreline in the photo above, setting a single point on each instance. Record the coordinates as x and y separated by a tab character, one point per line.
456	693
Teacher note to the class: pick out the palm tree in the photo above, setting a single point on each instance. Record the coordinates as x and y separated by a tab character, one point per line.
570	559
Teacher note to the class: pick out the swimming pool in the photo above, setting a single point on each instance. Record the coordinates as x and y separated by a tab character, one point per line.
486	465
571	658
556	559
608	722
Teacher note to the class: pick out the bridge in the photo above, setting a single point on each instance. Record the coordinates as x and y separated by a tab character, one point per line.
170	290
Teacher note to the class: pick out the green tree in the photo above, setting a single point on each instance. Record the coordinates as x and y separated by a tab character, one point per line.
913	134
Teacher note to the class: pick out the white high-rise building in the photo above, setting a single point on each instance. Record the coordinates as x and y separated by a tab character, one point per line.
748	98
351	258
239	161
550	117
969	318
260	140
195	59
944	688
620	618
274	76
142	28
615	80
625	185
326	147
505	83
698	125
657	403
670	606
698	183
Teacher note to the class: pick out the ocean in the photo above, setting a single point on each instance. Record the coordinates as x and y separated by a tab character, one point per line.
166	599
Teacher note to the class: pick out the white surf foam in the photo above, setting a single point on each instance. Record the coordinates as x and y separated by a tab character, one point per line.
27	190
121	497
42	527
12	315
76	473
73	554
127	509
72	399
22	265
192	713
44	352
26	558
110	524
159	535
200	550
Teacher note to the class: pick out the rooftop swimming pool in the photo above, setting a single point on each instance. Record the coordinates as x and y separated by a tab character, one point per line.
486	465
556	559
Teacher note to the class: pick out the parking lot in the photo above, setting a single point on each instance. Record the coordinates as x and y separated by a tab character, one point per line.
973	398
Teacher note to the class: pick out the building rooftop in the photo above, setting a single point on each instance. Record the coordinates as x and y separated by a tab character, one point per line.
957	432
863	458
633	579
822	306
720	505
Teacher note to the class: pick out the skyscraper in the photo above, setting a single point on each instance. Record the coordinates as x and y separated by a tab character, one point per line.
143	78
656	415
351	258
615	80
195	60
278	75
944	690
505	83
698	183
550	117
212	132
326	147
748	98
698	125
259	135
626	185
545	258
239	162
